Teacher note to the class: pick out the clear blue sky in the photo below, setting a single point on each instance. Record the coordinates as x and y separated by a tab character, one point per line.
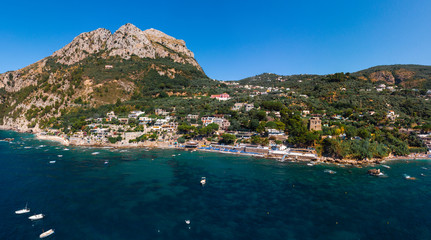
235	39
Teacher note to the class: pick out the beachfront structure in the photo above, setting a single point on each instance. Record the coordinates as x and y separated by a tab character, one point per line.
100	132
222	122
131	135
135	114
164	126
274	132
315	124
221	97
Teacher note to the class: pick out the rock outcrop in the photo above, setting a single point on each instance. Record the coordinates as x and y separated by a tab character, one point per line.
127	41
385	76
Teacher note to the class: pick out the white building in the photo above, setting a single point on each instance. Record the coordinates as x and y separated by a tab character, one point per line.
391	115
222	122
135	114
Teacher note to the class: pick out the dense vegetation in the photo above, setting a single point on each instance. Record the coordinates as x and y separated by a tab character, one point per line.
353	107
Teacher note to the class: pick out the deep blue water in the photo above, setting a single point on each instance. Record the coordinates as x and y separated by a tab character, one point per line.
149	195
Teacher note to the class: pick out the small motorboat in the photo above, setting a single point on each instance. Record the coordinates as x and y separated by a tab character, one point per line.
47	233
106	162
36	217
187	222
330	171
22	211
52	161
95	153
386	166
59	156
408	177
203	181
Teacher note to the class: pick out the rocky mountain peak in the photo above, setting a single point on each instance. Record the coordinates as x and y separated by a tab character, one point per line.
128	40
128	27
82	45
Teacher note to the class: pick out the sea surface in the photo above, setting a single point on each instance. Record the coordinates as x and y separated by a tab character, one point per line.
141	194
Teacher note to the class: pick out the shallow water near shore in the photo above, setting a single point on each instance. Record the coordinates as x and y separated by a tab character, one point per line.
138	194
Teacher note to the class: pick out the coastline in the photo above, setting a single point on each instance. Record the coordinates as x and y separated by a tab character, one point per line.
166	145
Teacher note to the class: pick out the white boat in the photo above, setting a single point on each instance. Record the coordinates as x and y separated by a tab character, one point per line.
47	233
330	171
106	162
22	211
408	177
386	166
36	217
52	161
203	180
95	153
187	222
59	155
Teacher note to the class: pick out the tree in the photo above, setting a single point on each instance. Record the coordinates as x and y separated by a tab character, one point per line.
228	138
332	147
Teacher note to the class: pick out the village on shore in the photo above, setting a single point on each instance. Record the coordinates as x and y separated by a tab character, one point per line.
162	130
266	133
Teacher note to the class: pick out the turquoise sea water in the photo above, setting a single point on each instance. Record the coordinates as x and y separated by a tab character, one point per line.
149	194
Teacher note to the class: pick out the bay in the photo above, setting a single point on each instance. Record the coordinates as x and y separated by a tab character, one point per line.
139	194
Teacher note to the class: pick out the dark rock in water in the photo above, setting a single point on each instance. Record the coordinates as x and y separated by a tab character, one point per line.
374	172
7	139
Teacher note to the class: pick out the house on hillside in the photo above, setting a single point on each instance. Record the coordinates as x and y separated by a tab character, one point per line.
192	116
222	122
221	97
135	114
160	111
111	115
391	115
315	124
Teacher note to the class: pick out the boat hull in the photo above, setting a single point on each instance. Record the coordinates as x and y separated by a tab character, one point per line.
47	233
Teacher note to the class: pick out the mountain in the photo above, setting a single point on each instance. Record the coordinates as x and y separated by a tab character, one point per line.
97	68
407	76
127	41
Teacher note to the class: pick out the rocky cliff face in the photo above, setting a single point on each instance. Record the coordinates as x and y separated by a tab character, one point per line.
128	40
129	62
385	76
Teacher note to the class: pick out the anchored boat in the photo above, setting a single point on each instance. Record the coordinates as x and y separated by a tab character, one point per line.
47	233
36	217
203	181
22	211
